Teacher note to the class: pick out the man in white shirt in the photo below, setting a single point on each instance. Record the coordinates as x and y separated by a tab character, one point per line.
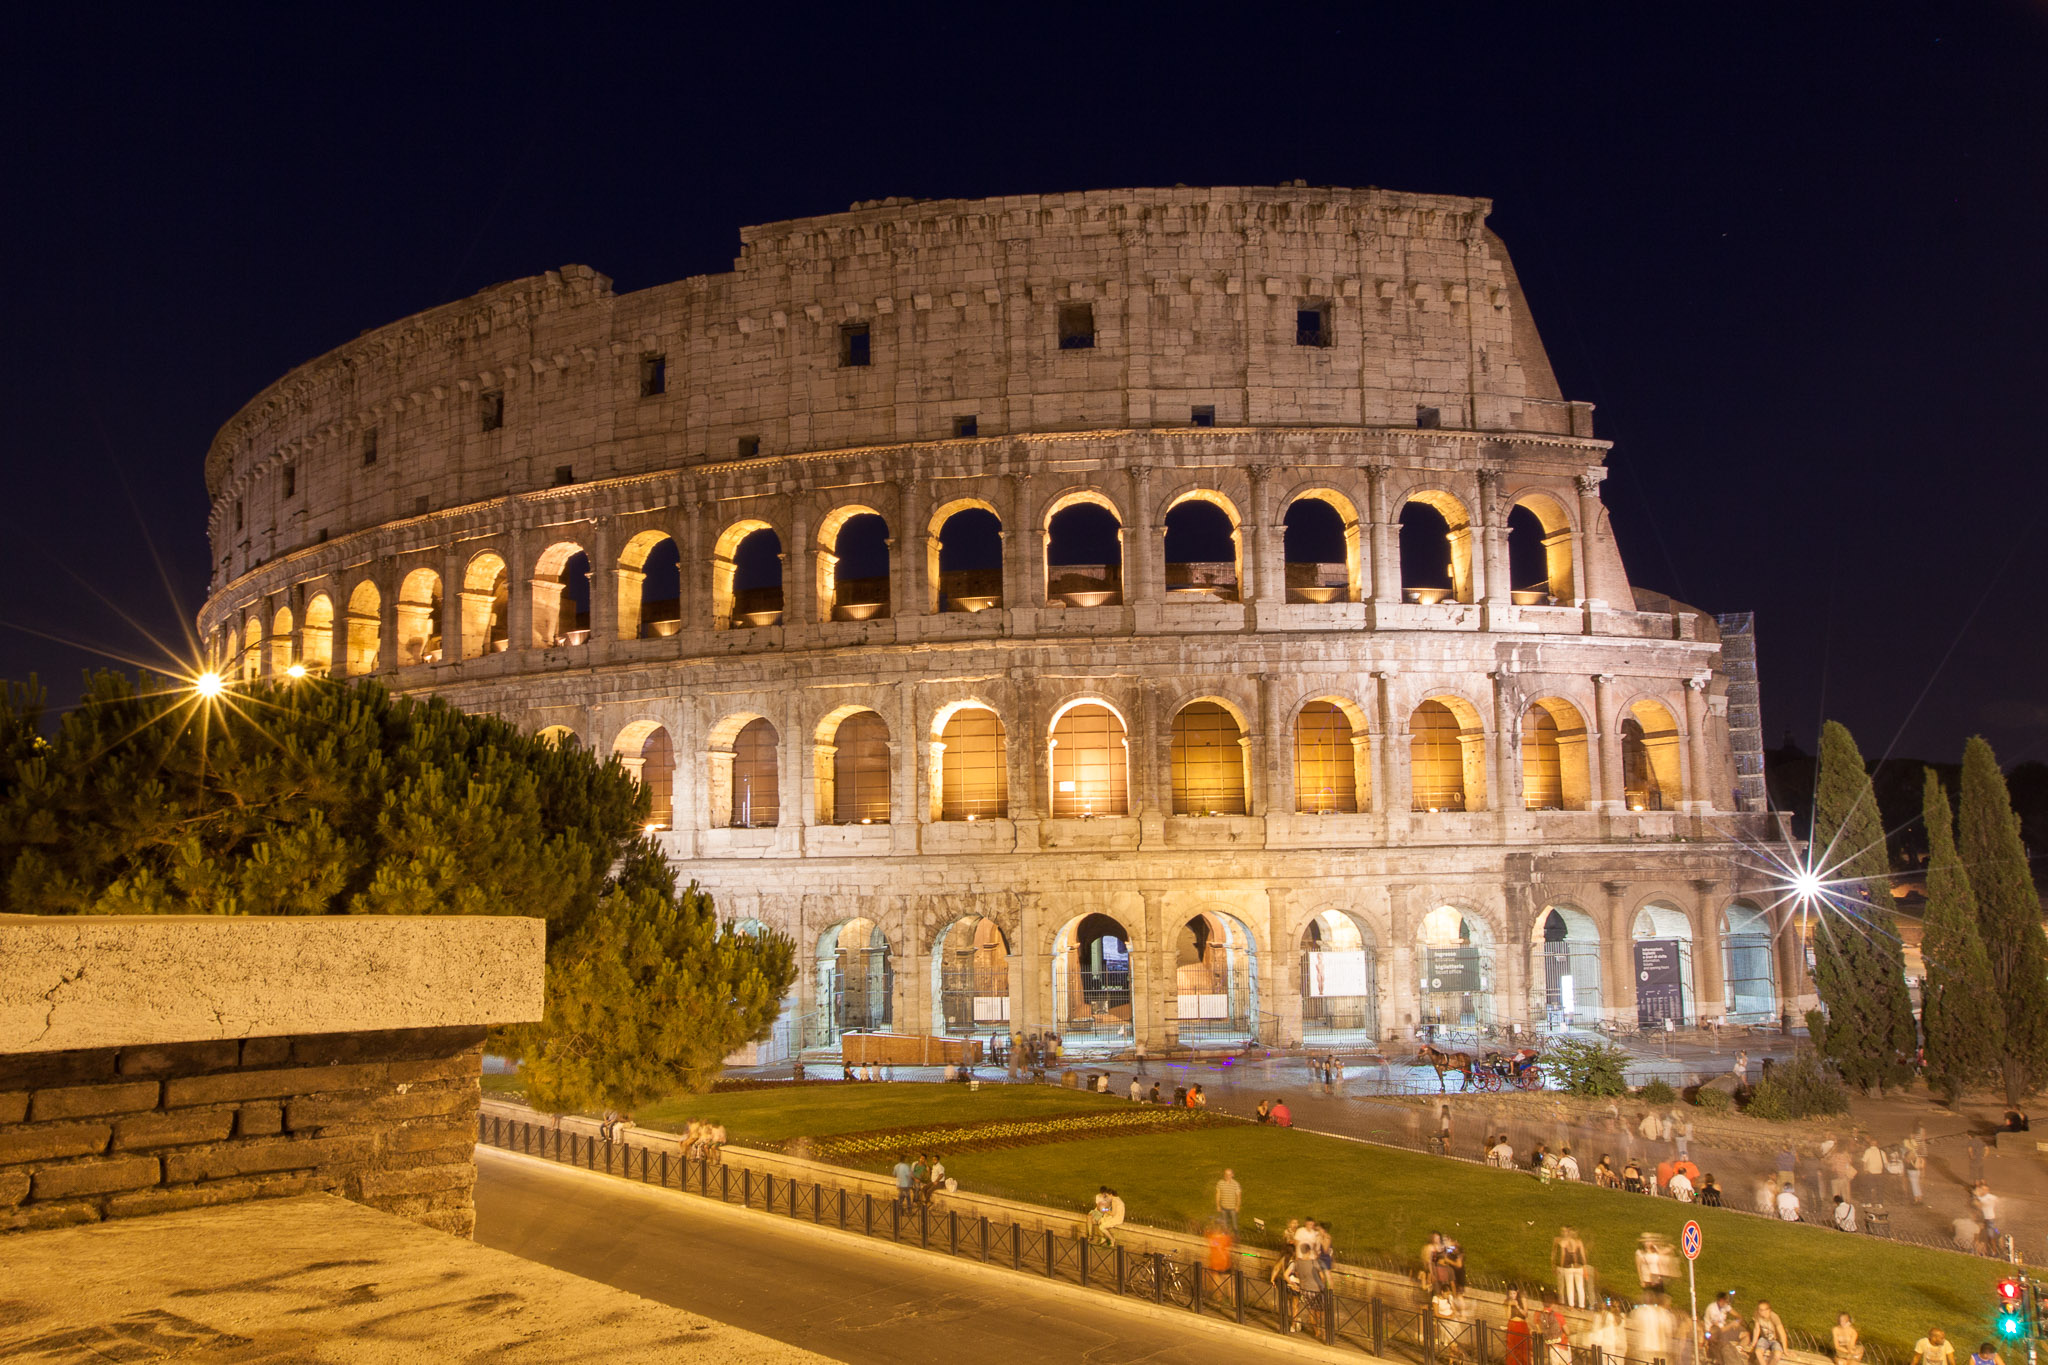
1716	1316
1567	1169
1137	1091
1680	1187
1788	1203
1502	1155
1845	1214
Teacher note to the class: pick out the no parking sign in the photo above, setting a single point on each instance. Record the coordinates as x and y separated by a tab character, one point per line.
1690	1241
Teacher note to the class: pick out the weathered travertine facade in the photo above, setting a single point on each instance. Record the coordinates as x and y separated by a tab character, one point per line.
1308	796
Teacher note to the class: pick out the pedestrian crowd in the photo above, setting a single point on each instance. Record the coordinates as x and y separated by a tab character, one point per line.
704	1140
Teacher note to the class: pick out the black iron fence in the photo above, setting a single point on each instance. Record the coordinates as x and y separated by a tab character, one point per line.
1349	1311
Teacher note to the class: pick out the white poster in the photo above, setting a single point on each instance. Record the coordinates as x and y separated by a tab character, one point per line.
1338	973
991	1009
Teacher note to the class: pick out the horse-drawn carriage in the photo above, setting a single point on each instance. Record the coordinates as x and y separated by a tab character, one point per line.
1521	1068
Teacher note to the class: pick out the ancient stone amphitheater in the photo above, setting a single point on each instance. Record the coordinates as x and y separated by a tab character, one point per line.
1188	614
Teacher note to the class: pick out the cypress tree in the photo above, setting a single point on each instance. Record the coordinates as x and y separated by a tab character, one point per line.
1959	1006
1859	968
2008	916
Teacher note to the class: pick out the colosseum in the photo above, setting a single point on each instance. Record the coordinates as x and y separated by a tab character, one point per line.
1155	615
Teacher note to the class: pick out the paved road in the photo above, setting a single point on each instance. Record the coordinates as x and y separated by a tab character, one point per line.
855	1304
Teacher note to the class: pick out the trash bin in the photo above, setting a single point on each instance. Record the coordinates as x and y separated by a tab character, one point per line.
1877	1222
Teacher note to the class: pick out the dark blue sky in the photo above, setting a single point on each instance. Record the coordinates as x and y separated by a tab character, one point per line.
1798	256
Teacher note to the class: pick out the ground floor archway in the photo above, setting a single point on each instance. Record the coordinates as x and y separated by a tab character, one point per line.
1339	980
1456	952
1091	978
1564	975
971	979
1216	978
1663	966
1748	967
856	982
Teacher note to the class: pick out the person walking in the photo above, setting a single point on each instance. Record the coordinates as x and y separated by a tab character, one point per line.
1568	1256
903	1178
1872	1162
1443	1131
1916	1164
1986	1204
1684	1139
1229	1199
1975	1152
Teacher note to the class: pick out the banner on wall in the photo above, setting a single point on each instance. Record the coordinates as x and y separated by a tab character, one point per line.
1338	973
1660	981
1455	970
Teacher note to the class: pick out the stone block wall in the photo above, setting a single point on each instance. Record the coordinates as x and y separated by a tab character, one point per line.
385	1118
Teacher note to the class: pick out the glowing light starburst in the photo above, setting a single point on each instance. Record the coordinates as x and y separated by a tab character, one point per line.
209	685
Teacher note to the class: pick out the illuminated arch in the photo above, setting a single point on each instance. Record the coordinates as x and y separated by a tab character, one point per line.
316	637
1552	547
1332	757
561	736
281	641
365	610
742	754
861	598
736	604
1556	756
419	618
1457	522
1216	975
1088	760
1457	967
1091	977
1651	775
486	605
1749	972
1304	547
1209	758
649	755
964	570
1196	577
1339	978
856	979
971	978
252	648
1084	583
1665	928
558	618
1446	755
851	757
970	770
1565	969
646	612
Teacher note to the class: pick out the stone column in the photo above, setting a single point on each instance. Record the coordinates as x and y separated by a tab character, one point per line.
799	573
1391	791
1269	788
628	586
1606	736
604	605
1023	579
1505	774
1265	557
1708	969
695	537
1699	786
1493	532
1618	991
906	553
1145	579
1385	538
1403	1003
387	617
1154	1004
455	625
1591	584
1280	990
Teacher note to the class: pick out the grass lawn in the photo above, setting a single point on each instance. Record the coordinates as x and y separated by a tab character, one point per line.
1387	1200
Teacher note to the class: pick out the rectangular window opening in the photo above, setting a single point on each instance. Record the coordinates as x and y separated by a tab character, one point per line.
653	375
238	514
853	345
1077	326
291	480
1427	418
564	474
419	505
1203	416
749	447
1312	325
369	447
491	409
966	426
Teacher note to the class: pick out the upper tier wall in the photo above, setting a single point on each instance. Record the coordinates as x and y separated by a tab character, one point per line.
1194	295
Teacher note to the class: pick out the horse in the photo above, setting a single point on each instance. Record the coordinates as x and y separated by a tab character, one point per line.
1440	1061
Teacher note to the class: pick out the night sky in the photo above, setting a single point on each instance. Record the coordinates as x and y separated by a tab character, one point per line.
1798	257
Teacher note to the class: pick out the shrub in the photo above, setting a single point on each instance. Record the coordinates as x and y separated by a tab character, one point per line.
1585	1066
1658	1091
1802	1088
1713	1101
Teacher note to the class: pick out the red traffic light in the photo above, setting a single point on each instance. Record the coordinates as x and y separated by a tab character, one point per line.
2009	1290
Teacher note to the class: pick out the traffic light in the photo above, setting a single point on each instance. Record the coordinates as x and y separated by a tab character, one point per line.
2012	1308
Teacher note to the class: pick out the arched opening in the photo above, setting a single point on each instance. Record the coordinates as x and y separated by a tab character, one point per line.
966	559
1202	559
1339	979
1649	758
1208	761
1089	762
1215	973
746	577
1091	977
1555	762
853	565
1663	962
365	608
971	979
1084	557
1748	970
650	582
252	649
1446	756
1565	987
742	773
856	980
486	606
1457	969
970	764
1332	764
560	736
1436	549
1321	549
852	756
650	756
1540	552
281	641
316	640
561	596
419	619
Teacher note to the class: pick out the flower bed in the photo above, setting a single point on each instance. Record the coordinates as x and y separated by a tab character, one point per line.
996	1134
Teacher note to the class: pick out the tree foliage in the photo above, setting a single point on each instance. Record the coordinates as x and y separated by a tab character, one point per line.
1585	1066
315	798
1959	1006
1800	1087
1859	964
2008	916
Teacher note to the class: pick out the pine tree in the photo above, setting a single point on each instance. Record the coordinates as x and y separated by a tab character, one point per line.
1859	967
1959	1006
2008	916
322	798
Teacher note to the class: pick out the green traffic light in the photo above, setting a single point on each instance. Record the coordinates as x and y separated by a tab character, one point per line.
2009	1325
